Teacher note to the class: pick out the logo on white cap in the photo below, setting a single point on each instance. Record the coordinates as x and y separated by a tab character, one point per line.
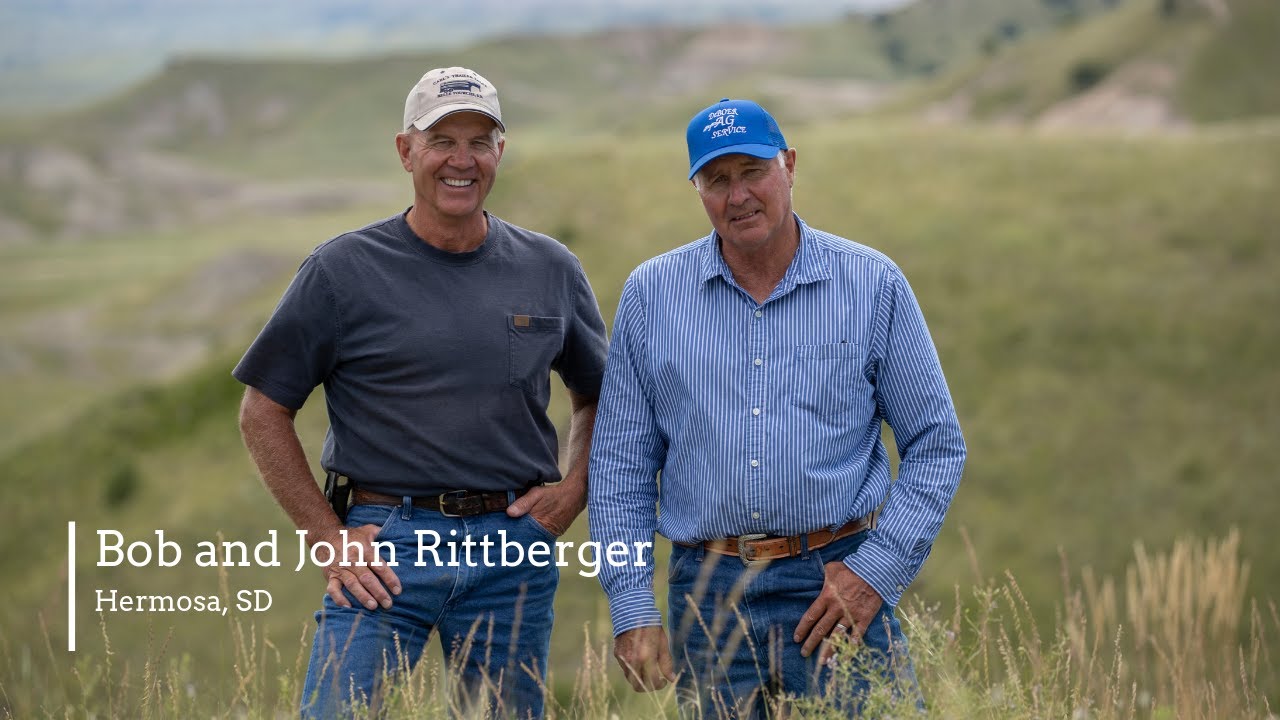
444	91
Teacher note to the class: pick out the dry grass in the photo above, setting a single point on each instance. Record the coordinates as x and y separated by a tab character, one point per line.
1177	639
1176	644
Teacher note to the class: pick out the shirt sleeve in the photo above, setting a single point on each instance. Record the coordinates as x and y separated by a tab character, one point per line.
627	450
297	349
913	397
582	359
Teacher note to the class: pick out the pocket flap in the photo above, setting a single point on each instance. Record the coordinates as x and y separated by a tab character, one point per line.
534	323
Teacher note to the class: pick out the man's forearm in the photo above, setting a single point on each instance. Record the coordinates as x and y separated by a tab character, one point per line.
581	425
273	443
893	554
274	446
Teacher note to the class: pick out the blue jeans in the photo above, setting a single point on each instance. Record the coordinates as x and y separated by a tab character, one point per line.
732	629
494	622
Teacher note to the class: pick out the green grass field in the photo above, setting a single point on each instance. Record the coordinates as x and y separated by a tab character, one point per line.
1101	305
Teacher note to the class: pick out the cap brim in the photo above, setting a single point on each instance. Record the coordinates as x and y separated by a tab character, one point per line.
753	149
444	111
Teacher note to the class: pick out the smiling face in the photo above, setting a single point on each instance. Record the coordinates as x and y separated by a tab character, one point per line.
748	200
454	164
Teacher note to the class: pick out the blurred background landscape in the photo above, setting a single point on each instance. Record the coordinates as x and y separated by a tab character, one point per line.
1083	194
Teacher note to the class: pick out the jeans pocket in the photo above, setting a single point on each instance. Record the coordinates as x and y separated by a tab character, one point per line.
362	515
534	343
529	519
386	524
675	566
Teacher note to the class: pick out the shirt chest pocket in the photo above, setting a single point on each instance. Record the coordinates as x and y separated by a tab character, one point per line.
534	344
826	377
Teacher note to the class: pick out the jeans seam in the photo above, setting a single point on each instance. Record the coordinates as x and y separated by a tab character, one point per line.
751	626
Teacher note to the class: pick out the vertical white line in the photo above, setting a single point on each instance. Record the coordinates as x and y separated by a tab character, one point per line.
71	586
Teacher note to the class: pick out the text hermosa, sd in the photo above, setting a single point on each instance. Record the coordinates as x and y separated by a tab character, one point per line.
431	550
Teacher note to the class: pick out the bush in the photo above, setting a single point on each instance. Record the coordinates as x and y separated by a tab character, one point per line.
121	486
896	51
1087	73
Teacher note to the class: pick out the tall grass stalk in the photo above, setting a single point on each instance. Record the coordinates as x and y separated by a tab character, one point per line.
1177	639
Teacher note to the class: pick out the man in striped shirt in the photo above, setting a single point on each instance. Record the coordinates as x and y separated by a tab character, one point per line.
747	380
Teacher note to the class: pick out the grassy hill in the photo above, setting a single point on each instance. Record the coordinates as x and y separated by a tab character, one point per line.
82	51
61	56
1102	303
1101	307
1147	64
181	143
213	137
930	37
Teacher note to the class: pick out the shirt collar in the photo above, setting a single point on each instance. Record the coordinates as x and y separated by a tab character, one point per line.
809	264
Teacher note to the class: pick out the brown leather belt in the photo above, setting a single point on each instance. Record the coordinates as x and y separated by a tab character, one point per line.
459	503
760	547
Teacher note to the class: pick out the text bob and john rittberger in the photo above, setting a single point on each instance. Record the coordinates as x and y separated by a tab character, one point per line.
432	550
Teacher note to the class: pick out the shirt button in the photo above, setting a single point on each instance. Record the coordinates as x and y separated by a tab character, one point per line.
759	362
755	463
759	313
755	411
900	588
755	516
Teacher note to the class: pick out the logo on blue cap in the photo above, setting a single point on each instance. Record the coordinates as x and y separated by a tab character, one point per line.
732	126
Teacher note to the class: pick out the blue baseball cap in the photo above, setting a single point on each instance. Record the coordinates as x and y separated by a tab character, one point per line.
732	126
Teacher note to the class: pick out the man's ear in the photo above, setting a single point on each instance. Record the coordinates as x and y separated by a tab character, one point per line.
403	144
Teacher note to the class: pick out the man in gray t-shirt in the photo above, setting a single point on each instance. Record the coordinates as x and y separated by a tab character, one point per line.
434	333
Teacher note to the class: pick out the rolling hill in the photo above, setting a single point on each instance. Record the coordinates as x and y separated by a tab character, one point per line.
1101	307
61	55
208	137
182	144
1147	65
1102	301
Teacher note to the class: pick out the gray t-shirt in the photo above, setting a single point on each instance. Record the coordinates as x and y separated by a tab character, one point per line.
436	365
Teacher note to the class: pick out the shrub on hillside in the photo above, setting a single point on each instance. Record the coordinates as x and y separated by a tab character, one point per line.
1087	73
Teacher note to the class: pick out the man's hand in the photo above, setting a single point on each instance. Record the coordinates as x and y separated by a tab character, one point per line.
367	581
642	652
845	600
554	507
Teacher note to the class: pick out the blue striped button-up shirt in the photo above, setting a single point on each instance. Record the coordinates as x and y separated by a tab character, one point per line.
766	417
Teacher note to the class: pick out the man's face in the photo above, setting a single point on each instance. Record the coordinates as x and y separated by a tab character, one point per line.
454	164
748	199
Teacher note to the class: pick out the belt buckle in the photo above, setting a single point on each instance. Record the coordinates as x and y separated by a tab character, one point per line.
458	495
742	548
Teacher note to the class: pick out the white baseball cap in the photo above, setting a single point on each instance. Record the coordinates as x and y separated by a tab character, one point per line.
445	91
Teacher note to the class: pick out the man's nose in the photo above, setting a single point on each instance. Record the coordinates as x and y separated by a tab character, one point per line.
738	191
461	156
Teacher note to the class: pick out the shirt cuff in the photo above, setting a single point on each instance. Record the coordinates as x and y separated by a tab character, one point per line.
881	569
631	609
